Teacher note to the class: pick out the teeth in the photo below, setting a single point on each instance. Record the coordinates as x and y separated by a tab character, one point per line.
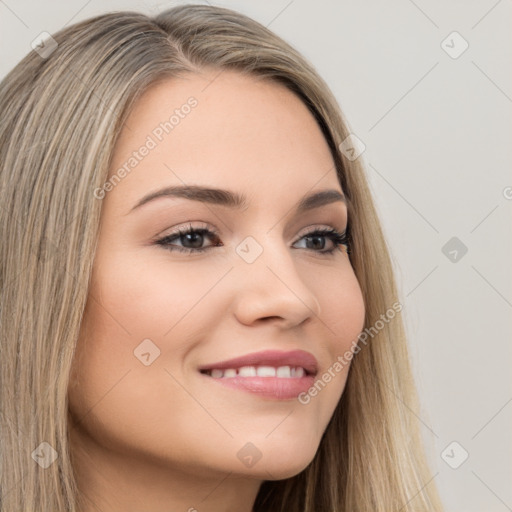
247	371
266	371
298	372
217	374
285	372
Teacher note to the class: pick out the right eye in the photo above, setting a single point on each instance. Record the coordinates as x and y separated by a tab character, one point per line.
193	237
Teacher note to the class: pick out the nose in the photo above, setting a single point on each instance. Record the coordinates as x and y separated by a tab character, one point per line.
271	289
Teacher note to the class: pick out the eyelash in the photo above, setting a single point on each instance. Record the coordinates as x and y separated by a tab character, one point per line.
335	236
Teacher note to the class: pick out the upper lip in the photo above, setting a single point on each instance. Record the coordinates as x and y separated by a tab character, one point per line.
292	358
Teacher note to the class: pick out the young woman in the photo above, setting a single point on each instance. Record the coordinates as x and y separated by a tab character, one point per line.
198	310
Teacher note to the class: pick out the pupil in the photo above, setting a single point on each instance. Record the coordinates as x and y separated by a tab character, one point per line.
195	238
320	240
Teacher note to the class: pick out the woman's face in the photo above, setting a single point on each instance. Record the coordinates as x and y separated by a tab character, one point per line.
157	318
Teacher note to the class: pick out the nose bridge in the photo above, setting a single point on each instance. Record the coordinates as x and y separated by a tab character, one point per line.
270	285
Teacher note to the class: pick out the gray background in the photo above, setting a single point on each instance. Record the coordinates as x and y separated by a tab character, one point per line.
437	131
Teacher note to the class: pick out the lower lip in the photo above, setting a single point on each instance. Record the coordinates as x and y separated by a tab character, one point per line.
269	387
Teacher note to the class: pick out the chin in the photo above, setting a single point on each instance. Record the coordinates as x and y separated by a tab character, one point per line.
279	470
283	460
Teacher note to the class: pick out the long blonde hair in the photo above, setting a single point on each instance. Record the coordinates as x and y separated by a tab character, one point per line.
61	114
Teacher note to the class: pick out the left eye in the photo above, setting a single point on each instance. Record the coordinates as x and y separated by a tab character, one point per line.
192	240
316	240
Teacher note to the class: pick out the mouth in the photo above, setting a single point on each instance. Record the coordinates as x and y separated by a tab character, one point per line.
268	374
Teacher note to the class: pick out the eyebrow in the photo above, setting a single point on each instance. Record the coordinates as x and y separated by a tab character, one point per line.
234	200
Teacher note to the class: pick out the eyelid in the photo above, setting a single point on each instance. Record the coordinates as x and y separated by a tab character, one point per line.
188	226
312	227
208	227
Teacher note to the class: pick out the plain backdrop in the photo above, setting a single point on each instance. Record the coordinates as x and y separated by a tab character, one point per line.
434	110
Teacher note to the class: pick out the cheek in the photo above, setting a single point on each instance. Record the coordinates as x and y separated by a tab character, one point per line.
342	309
116	395
148	296
130	302
342	316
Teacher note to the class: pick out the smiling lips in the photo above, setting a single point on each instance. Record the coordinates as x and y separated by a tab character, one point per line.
271	374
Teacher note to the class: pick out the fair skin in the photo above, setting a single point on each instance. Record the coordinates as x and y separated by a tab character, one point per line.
164	437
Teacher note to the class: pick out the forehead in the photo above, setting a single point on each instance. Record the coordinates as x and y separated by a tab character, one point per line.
222	130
